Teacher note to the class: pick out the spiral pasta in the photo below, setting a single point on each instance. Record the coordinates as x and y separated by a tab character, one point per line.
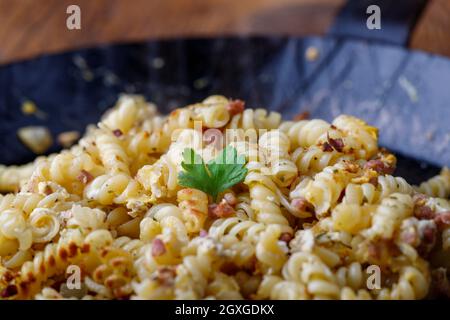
275	144
314	159
438	186
309	270
369	193
12	177
255	119
316	212
306	133
389	215
265	201
112	154
192	274
412	284
324	190
193	205
361	137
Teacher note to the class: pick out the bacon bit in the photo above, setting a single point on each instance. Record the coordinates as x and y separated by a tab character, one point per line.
286	237
85	177
8	276
429	233
24	286
373	181
419	199
442	219
374	251
73	249
382	251
158	248
229	268
423	213
31	277
409	237
302	205
9	291
85	248
99	273
236	106
221	210
114	281
230	198
51	261
118	261
48	190
337	144
379	166
211	208
174	113
104	252
166	275
117	132
326	147
121	293
341	195
440	283
203	233
301	116
428	236
63	254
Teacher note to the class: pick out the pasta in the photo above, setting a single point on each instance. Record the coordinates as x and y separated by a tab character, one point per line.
438	186
313	212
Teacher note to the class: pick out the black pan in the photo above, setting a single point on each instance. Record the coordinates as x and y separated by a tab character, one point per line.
406	94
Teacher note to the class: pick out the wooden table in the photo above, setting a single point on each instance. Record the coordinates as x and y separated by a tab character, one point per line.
30	27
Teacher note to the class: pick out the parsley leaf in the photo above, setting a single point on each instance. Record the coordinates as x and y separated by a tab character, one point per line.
215	176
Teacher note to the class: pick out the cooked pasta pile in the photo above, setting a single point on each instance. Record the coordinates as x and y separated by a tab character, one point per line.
317	215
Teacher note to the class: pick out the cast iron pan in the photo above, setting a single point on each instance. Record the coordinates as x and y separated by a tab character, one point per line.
406	94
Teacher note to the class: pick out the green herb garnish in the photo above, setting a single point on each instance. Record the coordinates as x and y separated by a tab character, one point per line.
215	176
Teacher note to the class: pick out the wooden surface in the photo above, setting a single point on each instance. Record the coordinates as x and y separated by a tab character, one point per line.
432	33
30	27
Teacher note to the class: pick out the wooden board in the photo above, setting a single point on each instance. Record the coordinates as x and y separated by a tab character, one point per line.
31	27
432	33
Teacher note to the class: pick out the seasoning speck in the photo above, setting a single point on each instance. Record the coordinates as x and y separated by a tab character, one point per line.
201	83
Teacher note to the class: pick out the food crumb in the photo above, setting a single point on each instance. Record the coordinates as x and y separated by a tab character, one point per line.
28	107
302	116
158	62
312	54
201	83
68	138
36	138
409	88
